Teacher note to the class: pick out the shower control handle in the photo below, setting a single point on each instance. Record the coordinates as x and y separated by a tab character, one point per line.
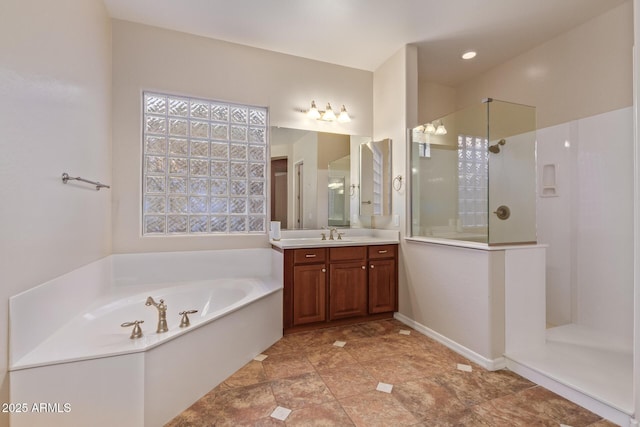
503	212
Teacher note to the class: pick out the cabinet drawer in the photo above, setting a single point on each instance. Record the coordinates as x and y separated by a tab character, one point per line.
308	256
347	253
382	251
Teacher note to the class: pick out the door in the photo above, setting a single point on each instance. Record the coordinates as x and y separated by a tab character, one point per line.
347	290
382	286
309	294
279	190
298	186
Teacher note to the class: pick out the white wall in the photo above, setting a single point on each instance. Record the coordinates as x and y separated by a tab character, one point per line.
148	58
587	226
581	73
55	86
554	225
604	243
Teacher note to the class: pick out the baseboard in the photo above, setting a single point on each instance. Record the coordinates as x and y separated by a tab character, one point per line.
489	364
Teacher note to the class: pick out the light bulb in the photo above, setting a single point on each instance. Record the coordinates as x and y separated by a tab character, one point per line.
441	130
344	116
329	115
430	128
313	112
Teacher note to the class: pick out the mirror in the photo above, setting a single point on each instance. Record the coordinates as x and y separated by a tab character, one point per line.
375	178
339	197
314	178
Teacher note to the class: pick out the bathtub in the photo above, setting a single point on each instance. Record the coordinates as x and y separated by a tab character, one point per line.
68	350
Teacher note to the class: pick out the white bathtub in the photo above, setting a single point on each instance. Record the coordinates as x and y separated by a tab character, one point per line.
67	346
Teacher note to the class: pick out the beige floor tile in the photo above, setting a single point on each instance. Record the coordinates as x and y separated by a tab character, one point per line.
242	404
427	400
544	402
249	374
377	409
505	411
348	380
326	415
303	390
475	387
392	370
286	365
328	356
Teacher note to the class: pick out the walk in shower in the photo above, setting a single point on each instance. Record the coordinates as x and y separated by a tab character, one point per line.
473	175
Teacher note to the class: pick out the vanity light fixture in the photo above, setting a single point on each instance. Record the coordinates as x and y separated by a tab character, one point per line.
328	115
431	129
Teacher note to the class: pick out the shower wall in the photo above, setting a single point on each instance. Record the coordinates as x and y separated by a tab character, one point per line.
585	215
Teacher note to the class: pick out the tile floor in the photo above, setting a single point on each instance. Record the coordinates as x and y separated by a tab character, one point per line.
313	382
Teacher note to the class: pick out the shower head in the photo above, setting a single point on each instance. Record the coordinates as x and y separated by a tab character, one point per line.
496	147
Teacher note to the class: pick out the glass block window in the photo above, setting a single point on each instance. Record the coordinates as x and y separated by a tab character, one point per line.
204	166
473	164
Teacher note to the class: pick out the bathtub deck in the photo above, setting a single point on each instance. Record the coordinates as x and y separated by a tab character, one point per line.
90	336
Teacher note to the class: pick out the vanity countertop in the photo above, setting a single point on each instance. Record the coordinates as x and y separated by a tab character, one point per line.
295	239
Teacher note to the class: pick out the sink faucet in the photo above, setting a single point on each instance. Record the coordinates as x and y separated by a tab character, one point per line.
331	231
162	314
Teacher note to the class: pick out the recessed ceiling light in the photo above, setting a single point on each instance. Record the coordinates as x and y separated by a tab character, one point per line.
470	54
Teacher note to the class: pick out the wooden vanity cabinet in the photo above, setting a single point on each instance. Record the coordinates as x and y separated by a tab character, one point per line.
309	286
337	285
383	286
347	282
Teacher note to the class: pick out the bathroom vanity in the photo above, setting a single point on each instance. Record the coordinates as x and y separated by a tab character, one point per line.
329	283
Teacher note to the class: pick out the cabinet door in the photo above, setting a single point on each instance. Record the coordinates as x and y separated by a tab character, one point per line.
309	294
382	286
347	290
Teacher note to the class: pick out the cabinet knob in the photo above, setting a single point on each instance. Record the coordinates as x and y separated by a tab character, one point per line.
382	252
310	256
371	265
363	267
324	270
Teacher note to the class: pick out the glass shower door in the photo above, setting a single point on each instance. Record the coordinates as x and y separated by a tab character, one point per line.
512	173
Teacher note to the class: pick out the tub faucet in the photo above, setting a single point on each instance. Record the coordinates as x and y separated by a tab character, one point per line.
162	314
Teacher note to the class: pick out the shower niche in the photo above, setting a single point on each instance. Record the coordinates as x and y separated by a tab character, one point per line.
473	175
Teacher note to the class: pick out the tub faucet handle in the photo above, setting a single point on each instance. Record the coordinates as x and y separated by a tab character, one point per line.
184	322
137	330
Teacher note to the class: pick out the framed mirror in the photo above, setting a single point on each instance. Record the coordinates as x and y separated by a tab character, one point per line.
375	178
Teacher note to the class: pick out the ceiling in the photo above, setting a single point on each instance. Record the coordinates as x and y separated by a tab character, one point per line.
364	33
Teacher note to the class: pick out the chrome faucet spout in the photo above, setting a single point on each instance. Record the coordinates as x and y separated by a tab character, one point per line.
162	314
331	231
